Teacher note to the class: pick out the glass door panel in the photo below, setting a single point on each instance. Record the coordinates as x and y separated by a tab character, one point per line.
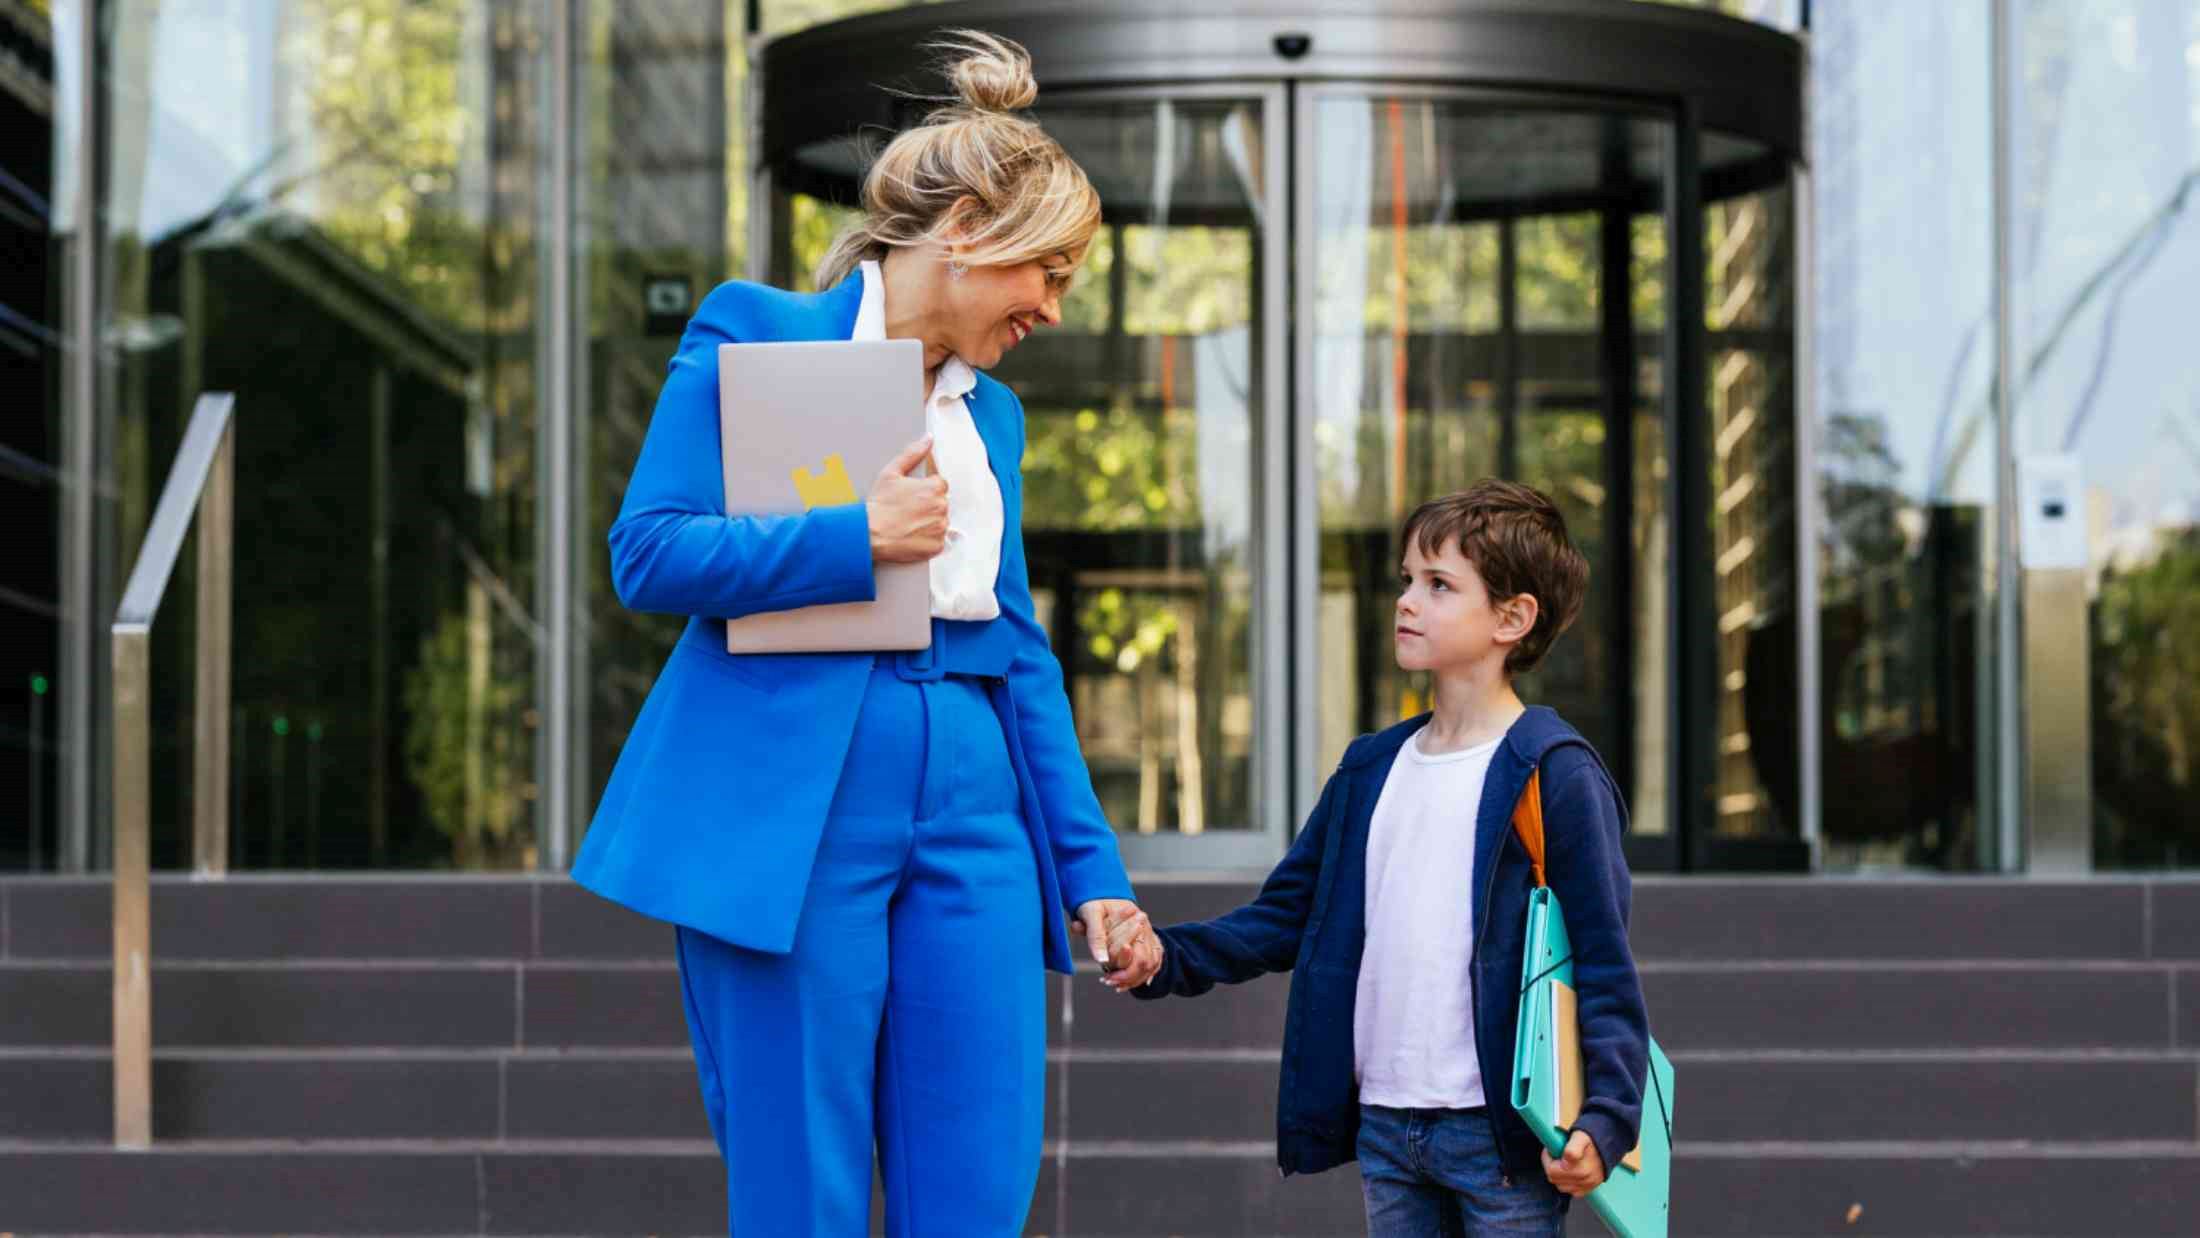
1481	292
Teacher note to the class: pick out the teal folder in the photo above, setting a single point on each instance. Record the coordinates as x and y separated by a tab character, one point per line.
1634	1201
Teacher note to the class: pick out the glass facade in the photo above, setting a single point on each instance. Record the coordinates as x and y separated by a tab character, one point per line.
1987	705
1907	446
32	461
441	250
334	208
2106	257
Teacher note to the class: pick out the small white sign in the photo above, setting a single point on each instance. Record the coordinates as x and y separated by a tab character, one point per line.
2051	532
667	295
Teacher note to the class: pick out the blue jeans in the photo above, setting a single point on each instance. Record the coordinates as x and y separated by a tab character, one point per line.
1433	1173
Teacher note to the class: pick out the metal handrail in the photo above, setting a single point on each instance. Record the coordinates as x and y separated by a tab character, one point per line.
201	481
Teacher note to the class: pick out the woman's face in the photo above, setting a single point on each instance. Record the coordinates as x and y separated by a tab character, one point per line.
991	309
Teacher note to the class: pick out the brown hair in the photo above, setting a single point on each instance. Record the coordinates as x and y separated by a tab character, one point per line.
1516	539
1023	196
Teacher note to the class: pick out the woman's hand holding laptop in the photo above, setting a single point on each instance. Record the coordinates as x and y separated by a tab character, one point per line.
908	513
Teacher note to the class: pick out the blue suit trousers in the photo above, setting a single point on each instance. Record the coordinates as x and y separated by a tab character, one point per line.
909	1018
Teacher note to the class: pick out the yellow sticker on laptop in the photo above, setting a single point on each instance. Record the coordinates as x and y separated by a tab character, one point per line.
828	488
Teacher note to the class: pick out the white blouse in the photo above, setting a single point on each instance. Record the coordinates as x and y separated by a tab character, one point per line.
963	574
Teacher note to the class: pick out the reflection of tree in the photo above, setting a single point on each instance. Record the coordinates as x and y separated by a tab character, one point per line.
1649	272
1118	470
1559	280
1159	628
1126	471
369	287
2111	279
1859	481
1450	277
2146	716
461	745
1127	462
390	127
1178	280
1898	643
811	226
416	112
787	16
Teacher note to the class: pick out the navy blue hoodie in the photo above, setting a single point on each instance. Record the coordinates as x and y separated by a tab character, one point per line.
1311	919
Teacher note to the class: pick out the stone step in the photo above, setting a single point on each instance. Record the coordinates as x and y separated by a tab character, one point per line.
1704	1007
344	1003
556	1004
366	1094
274	916
397	1187
1704	919
1721	1097
2138	1190
1227	1096
1676	919
1195	1190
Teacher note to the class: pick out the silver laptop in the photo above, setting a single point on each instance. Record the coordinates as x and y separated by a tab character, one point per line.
810	425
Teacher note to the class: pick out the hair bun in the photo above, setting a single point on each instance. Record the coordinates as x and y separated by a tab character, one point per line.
988	73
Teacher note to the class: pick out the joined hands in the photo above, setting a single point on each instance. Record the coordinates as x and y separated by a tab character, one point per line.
1122	940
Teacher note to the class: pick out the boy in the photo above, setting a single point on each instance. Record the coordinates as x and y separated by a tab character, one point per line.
1401	906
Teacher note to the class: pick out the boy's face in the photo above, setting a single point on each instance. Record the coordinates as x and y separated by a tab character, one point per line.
1447	620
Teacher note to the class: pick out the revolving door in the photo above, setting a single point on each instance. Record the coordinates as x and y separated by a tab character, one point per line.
1348	263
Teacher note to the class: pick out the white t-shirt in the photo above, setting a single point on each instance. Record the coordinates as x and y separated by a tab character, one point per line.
963	574
1413	1023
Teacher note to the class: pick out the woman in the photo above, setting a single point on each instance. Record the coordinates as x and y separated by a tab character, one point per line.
868	855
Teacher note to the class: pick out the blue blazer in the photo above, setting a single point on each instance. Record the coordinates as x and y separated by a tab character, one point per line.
712	815
1311	919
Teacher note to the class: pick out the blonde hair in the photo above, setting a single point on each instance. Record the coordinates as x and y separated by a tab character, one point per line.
1026	198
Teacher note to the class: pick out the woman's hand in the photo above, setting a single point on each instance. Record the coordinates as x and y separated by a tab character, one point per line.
908	514
1103	921
1135	954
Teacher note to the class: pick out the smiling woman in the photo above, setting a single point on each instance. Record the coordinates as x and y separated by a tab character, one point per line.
977	313
877	812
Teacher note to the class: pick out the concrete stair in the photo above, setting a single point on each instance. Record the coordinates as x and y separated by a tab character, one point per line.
453	1055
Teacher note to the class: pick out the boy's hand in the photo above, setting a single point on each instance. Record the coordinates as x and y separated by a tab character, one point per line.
1580	1171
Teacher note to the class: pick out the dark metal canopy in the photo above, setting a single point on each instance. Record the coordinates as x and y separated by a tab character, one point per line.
1743	82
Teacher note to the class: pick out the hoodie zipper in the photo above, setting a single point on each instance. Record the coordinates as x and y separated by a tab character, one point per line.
1474	1004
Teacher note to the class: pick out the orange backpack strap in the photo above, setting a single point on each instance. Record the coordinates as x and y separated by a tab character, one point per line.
1528	821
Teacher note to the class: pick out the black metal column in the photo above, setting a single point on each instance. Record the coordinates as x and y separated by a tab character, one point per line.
1692	701
1508	348
1616	355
